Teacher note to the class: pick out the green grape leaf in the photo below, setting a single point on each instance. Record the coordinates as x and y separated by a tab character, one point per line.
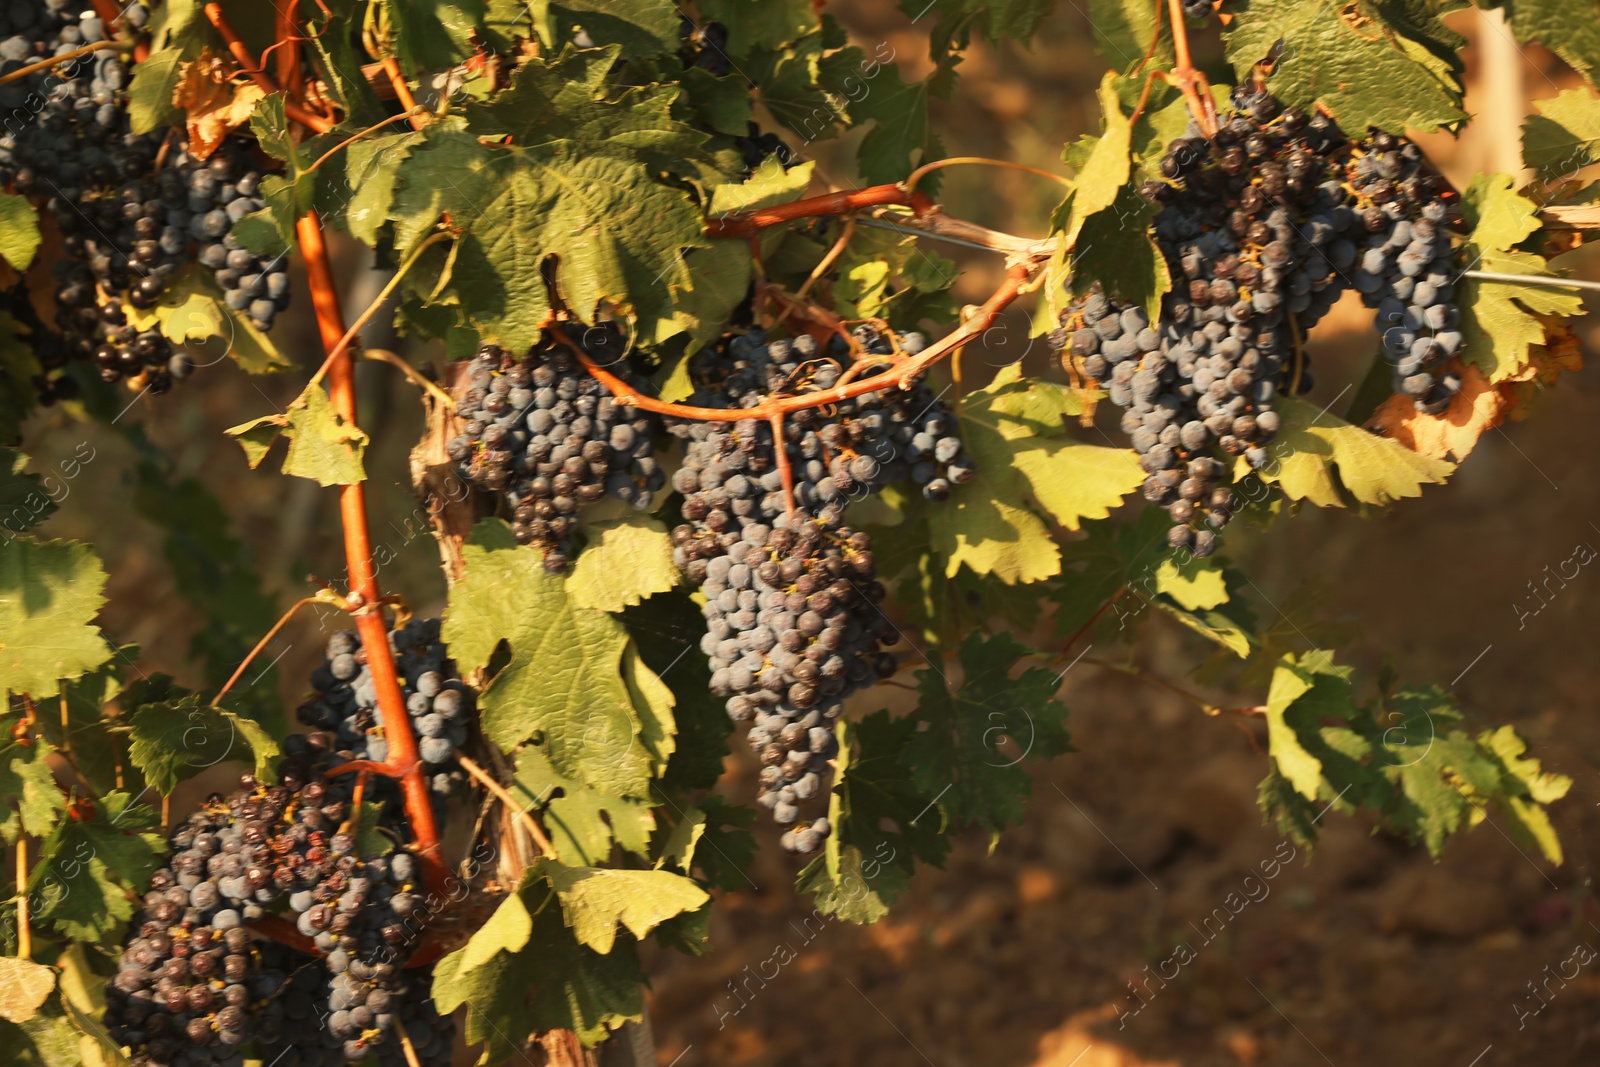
1564	136
25	500
626	561
1122	32
959	755
639	27
1407	759
1569	28
26	781
192	310
1117	560
177	33
1072	481
598	901
1314	688
552	982
723	846
24	987
563	680
903	138
372	169
1498	319
754	24
175	741
802	84
1115	249
666	631
1357	60
431	34
19	366
89	863
995	20
322	445
581	821
618	235
882	824
1375	470
19	231
50	593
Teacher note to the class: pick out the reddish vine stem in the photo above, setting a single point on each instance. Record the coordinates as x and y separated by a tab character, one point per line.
288	57
896	376
748	225
780	448
403	761
1191	83
247	63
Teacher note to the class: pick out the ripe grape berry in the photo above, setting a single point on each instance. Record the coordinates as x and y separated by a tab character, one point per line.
1262	228
792	622
546	437
439	703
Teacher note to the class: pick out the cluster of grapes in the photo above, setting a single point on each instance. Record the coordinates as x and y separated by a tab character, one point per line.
1408	268
191	988
1261	235
439	703
546	436
792	622
331	1010
129	218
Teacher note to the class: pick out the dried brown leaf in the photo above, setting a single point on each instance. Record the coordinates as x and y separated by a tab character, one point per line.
215	106
1480	406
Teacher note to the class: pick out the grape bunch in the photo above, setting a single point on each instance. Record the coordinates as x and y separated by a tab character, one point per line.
792	622
1408	268
548	438
191	987
221	190
1261	233
439	703
329	1012
132	213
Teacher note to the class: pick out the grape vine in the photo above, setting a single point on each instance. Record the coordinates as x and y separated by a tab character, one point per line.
709	453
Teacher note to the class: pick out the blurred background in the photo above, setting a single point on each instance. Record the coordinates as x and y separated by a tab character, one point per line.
1021	954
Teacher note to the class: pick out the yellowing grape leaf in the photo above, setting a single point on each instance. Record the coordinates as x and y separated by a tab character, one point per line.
19	231
24	986
1374	469
580	821
192	313
507	930
1498	319
599	900
625	561
1480	406
213	104
986	523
